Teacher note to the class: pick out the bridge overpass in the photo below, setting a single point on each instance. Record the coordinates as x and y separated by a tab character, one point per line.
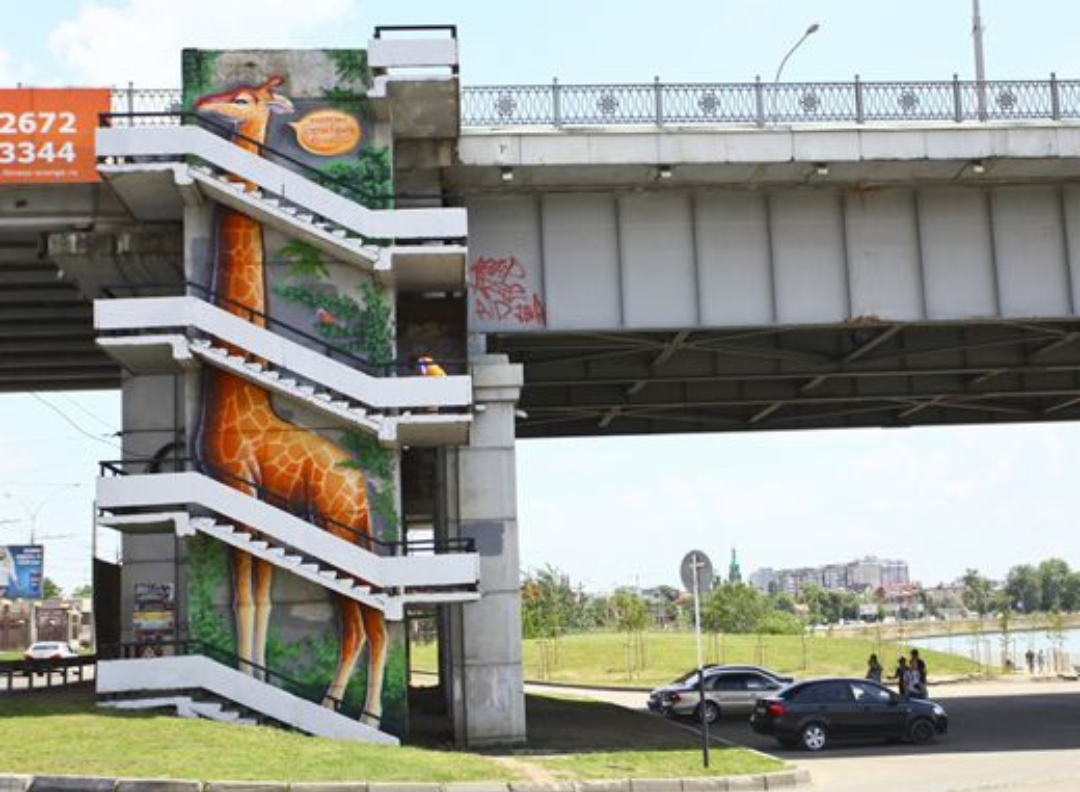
660	258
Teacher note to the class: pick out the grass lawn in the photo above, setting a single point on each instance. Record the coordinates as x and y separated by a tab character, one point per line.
601	658
48	737
77	739
659	764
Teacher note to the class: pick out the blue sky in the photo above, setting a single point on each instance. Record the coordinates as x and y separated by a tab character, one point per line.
618	511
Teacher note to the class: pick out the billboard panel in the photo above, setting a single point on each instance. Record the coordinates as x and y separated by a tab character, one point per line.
21	571
47	134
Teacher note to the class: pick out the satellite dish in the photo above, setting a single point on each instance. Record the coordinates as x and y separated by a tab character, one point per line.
696	558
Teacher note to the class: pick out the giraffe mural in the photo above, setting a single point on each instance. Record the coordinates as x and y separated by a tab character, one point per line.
245	443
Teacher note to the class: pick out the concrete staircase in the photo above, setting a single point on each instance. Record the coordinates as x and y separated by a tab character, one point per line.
154	681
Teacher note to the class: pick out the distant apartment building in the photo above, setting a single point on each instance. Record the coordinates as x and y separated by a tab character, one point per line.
864	574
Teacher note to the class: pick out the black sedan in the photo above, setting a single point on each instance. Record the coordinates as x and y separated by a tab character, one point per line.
816	712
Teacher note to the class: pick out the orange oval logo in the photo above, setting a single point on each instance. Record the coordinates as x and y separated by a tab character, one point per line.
327	133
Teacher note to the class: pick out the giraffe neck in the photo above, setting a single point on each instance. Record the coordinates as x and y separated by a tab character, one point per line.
241	291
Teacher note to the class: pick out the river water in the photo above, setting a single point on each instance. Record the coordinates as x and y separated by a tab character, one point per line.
987	648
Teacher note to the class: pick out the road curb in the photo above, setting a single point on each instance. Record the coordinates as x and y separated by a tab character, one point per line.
782	779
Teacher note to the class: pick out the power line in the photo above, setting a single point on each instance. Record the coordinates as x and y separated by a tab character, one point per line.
82	408
74	425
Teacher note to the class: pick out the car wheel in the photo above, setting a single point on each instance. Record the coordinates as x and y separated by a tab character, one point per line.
712	713
813	736
921	731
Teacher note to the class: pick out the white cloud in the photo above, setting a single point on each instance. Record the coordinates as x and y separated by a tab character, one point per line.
141	40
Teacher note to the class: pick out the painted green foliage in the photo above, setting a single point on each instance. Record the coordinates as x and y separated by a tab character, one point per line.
311	661
198	69
367	179
361	325
207	574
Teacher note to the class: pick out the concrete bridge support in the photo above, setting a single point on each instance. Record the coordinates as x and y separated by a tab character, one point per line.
481	661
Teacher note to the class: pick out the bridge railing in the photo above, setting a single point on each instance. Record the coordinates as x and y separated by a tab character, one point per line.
754	103
762	103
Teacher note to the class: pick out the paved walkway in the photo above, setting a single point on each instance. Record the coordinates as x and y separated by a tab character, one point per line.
1007	736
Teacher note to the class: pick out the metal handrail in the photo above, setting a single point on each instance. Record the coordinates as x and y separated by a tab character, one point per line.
131	650
363	197
755	103
322	345
396	366
371	543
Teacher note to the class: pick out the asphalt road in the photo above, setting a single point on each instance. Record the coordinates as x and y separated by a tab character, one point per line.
1009	736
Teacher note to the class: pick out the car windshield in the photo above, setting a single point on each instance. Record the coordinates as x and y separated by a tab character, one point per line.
689	678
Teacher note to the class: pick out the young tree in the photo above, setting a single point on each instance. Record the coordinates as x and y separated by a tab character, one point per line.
50	590
548	605
978	592
1054	577
631	617
1024	588
735	608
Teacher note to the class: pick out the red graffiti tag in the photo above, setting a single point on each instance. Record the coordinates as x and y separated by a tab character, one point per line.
500	293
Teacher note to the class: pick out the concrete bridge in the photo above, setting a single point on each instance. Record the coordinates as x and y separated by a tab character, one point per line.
660	258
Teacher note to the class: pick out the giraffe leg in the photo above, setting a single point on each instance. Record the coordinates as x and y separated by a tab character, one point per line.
378	640
244	608
352	641
264	581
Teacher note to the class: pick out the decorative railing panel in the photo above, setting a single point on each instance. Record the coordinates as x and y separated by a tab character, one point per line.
753	103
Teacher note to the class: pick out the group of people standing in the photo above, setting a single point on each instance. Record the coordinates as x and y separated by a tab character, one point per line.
910	675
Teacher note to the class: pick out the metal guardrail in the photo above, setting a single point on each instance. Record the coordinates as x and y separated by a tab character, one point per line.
754	103
38	673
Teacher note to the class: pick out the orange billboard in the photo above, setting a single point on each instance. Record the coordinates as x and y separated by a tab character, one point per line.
47	134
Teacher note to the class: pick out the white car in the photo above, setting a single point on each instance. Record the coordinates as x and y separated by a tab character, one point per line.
49	650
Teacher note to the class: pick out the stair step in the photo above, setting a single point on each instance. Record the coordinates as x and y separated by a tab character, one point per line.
310	567
253	366
272	202
214	350
237	358
278	552
340	233
341	403
329	574
359	412
260	545
202	343
323	396
271	374
307	390
291	560
305	218
288	382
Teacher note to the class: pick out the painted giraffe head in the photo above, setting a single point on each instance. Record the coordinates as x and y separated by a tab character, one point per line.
246	107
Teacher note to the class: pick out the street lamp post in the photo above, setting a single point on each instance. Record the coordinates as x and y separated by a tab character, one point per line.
32	514
980	65
814	28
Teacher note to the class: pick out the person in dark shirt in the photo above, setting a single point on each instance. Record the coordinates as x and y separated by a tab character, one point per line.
918	688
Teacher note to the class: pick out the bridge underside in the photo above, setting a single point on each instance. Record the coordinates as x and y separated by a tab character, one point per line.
854	375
